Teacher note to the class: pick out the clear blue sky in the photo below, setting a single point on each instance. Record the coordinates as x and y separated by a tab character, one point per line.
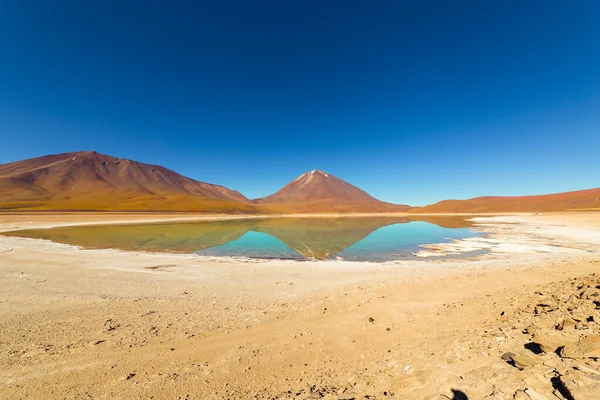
413	101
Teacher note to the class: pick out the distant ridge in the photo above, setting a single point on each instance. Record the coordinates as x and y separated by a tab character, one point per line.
577	200
318	191
88	180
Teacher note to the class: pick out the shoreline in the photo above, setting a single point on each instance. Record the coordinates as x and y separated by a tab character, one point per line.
118	217
6	231
502	235
258	329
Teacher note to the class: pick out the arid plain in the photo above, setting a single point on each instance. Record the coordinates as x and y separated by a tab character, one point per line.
78	323
299	200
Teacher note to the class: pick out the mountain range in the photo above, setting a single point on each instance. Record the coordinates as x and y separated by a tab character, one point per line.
93	181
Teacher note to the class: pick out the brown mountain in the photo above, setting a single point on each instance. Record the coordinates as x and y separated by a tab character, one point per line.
93	181
579	200
318	191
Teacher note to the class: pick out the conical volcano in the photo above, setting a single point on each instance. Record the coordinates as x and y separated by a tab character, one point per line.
319	191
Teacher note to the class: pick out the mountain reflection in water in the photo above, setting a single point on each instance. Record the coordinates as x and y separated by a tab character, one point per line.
315	238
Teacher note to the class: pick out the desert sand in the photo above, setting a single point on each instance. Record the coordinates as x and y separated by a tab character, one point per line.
515	319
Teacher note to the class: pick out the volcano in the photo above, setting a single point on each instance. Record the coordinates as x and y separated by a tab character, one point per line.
318	191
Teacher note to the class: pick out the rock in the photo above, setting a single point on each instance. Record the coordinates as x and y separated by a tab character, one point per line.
587	370
371	319
407	383
576	385
588	347
543	308
521	395
552	360
565	323
532	328
535	395
520	360
523	361
550	341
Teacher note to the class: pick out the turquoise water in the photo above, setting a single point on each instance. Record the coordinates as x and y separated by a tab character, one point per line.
253	245
400	240
395	241
359	239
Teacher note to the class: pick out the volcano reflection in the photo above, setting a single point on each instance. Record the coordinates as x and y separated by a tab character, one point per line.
316	238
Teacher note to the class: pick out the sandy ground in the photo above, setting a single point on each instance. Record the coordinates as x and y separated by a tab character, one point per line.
108	324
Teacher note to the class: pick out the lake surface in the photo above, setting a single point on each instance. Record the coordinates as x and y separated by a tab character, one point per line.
358	238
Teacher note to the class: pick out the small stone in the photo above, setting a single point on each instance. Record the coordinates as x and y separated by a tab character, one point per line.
408	383
520	361
371	319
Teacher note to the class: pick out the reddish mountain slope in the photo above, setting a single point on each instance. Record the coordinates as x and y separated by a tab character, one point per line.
318	191
582	199
93	181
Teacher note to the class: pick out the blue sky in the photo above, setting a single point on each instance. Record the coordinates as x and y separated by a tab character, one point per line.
413	101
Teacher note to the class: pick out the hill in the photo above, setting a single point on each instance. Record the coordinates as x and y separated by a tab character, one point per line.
93	181
578	200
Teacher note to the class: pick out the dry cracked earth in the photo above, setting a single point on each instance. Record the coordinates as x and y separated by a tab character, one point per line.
546	346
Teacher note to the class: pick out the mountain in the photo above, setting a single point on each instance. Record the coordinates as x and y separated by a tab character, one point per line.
88	180
579	200
92	181
318	191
